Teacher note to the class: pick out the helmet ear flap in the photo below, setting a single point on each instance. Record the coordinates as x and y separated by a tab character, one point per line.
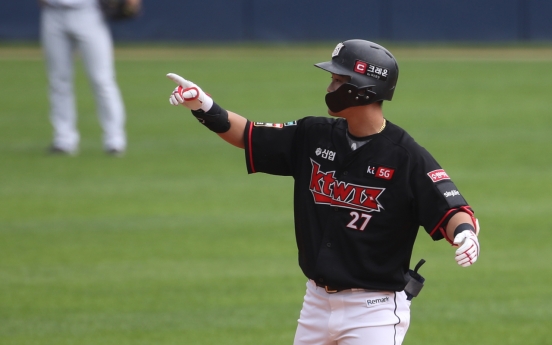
348	95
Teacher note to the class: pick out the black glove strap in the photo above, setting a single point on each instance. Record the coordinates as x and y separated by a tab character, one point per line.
216	119
462	227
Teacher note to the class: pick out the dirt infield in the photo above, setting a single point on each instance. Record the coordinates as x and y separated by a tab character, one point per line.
308	51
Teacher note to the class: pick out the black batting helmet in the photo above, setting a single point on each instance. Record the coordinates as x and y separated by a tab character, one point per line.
373	71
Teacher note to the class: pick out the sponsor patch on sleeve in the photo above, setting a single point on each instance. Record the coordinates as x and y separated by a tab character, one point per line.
438	175
274	125
451	194
268	124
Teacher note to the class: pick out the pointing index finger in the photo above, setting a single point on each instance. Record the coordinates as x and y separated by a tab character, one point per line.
179	80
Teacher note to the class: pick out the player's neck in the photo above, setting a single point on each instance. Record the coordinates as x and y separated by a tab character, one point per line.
365	121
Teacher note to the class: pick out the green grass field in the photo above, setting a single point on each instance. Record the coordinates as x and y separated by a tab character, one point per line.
175	244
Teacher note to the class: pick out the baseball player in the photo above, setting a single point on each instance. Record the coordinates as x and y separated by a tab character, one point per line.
67	25
363	187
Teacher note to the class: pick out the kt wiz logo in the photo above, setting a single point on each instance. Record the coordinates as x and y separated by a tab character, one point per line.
327	190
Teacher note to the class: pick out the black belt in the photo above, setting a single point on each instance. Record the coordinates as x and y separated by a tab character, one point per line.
331	289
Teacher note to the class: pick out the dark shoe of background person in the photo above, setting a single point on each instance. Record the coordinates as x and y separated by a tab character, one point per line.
55	150
115	152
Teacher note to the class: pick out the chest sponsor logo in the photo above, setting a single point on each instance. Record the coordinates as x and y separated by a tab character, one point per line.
381	172
438	175
385	173
326	154
372	302
327	190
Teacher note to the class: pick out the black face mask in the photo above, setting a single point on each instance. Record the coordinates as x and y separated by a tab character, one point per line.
348	95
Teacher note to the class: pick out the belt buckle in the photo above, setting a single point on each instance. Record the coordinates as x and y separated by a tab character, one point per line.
329	290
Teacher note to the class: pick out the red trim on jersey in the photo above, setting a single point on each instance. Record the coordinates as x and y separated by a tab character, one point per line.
249	140
442	227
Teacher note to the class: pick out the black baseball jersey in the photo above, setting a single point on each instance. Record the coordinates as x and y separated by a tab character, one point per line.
357	212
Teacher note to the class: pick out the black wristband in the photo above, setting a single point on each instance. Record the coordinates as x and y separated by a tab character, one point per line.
216	119
462	227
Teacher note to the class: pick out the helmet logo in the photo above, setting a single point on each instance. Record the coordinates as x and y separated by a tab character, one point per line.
360	67
371	70
337	50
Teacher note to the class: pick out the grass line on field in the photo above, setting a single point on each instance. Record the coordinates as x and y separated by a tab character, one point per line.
183	52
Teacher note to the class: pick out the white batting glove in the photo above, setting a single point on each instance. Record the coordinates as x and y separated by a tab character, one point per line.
468	252
189	94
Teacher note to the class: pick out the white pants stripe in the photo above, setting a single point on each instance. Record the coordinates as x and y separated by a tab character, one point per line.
352	317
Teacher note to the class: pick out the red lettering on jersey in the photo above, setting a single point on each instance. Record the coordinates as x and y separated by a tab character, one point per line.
358	197
341	191
329	182
316	178
438	175
371	195
327	190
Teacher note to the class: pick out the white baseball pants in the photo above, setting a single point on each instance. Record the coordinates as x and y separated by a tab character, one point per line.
352	317
62	31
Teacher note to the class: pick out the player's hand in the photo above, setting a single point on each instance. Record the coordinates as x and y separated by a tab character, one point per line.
189	94
468	252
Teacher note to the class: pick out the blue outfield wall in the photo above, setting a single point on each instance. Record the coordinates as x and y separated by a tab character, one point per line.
313	20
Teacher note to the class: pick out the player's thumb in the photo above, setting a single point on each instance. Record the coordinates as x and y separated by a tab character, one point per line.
190	94
459	239
179	80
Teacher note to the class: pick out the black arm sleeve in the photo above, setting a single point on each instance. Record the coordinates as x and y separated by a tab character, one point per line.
269	147
437	197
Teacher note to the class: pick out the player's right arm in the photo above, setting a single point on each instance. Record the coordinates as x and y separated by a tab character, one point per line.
234	135
228	125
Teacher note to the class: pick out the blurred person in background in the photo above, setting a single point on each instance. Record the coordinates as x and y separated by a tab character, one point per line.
68	25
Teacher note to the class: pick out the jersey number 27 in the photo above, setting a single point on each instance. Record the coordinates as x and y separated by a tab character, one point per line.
359	221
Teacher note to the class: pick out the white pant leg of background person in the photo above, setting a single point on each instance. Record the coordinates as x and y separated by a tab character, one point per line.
94	41
58	49
352	317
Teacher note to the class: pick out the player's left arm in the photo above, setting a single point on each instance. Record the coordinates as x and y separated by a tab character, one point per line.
463	231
